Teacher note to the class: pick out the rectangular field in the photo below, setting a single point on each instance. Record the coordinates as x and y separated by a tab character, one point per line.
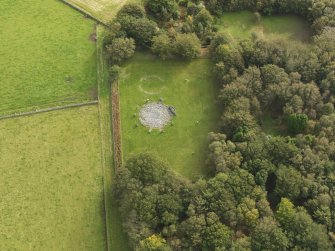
188	87
51	182
47	56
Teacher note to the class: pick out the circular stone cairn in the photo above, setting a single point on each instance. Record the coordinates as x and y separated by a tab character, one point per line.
155	115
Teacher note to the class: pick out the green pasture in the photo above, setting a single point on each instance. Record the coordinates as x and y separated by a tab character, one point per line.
51	182
240	25
46	55
188	87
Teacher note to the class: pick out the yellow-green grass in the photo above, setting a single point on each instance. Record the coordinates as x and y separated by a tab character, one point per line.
240	25
102	10
46	55
188	87
51	182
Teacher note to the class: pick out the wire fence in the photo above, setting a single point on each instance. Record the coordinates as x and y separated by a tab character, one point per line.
22	114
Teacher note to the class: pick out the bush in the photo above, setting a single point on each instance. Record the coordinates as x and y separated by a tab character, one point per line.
133	10
162	9
114	73
187	45
297	123
121	49
141	29
161	45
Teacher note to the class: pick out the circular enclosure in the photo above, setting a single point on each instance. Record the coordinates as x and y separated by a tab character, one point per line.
156	115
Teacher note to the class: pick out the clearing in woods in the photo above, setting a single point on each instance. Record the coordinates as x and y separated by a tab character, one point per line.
187	86
240	25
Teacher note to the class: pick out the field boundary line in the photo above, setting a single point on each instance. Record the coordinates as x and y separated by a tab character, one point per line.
83	11
105	134
22	114
116	125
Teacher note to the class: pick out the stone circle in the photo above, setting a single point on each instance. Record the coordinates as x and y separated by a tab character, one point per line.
155	115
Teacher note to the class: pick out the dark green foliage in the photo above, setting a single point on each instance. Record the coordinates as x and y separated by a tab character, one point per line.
120	49
203	23
162	46
150	196
302	232
133	10
187	46
114	73
140	29
230	56
162	9
147	169
268	236
289	182
297	123
181	45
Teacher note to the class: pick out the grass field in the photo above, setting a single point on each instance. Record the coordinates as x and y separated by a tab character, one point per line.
46	56
189	88
102	10
51	182
242	24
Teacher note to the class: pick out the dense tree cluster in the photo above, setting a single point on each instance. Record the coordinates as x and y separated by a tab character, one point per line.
173	44
230	211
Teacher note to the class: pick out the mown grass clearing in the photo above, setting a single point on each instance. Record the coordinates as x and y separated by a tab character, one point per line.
188	87
240	25
51	182
46	55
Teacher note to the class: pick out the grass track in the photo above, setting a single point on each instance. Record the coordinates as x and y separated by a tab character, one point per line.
46	56
51	182
186	85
